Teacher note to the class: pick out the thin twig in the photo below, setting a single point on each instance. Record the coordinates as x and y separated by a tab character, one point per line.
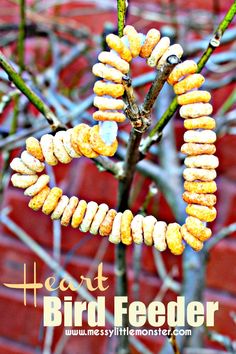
223	233
106	164
61	343
158	83
225	341
123	196
32	97
21	62
21	37
121	13
140	118
132	110
132	157
173	342
168	281
216	39
17	140
4	175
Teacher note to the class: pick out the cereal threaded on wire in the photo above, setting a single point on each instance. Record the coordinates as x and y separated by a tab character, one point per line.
83	140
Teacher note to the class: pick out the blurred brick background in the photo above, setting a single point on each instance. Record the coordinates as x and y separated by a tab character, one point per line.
20	327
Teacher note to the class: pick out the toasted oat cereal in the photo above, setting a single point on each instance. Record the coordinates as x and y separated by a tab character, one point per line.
23	181
115	236
174	239
98	219
109	116
200	123
192	241
98	144
200	187
202	199
59	149
137	229
203	161
68	145
83	140
107	73
125	227
201	212
102	88
158	51
152	38
52	200
40	183
194	149
114	60
202	137
197	228
18	165
106	226
115	43
148	227
33	148
38	200
79	213
46	143
59	209
91	210
187	67
69	211
197	96
134	40
104	103
195	110
31	162
74	139
191	82
192	174
159	236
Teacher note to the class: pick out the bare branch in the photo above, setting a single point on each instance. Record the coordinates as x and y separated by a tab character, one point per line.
223	233
33	98
158	83
173	342
225	341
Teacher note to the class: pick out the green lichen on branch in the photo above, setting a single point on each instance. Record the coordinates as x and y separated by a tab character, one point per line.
121	12
21	37
215	40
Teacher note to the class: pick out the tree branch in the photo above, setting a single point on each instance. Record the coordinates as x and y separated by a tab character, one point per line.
223	233
32	97
225	341
216	39
21	37
106	164
123	196
140	118
173	342
132	110
121	13
158	83
131	158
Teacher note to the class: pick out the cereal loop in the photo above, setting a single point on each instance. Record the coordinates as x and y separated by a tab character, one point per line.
112	105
